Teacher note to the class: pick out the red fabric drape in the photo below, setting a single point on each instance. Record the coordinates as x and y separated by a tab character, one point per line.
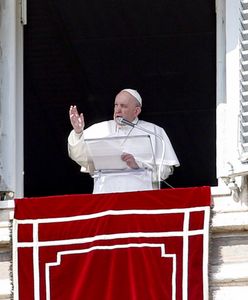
141	245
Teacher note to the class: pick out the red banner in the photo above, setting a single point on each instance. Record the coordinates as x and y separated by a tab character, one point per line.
124	246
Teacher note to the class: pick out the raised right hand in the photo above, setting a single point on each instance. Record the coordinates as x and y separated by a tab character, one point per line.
77	120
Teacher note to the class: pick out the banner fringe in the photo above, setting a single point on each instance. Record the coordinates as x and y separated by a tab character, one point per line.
11	260
210	250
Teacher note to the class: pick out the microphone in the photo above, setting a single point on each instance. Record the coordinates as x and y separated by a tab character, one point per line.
122	121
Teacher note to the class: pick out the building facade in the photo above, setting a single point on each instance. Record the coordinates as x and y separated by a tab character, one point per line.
229	240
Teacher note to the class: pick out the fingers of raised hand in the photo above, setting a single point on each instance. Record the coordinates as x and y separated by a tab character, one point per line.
73	112
77	120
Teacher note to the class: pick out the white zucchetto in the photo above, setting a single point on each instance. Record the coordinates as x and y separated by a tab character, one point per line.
135	94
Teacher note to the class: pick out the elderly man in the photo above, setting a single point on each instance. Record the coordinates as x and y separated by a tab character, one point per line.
139	174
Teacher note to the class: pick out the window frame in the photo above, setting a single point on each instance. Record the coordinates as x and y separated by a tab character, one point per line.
228	160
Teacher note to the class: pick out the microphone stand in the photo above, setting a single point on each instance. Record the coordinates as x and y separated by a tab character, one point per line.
122	121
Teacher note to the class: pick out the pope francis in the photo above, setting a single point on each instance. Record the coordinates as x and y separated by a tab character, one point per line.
138	172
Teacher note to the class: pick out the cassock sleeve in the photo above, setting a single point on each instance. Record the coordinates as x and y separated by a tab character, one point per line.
78	152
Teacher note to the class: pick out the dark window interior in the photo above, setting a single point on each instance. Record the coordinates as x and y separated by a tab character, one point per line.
84	51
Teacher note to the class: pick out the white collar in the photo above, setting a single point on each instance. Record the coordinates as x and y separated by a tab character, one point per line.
126	128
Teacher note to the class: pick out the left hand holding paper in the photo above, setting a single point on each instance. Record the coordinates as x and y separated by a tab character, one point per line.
130	160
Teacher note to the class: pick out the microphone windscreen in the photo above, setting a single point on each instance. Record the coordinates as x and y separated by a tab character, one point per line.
119	120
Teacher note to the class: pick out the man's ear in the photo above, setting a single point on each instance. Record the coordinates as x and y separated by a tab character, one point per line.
137	110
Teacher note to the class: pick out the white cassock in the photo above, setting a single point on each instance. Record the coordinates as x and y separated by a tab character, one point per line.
127	179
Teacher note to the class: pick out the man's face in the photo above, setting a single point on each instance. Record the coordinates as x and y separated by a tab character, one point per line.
126	106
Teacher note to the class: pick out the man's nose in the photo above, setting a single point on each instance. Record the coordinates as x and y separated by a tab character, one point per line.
117	108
